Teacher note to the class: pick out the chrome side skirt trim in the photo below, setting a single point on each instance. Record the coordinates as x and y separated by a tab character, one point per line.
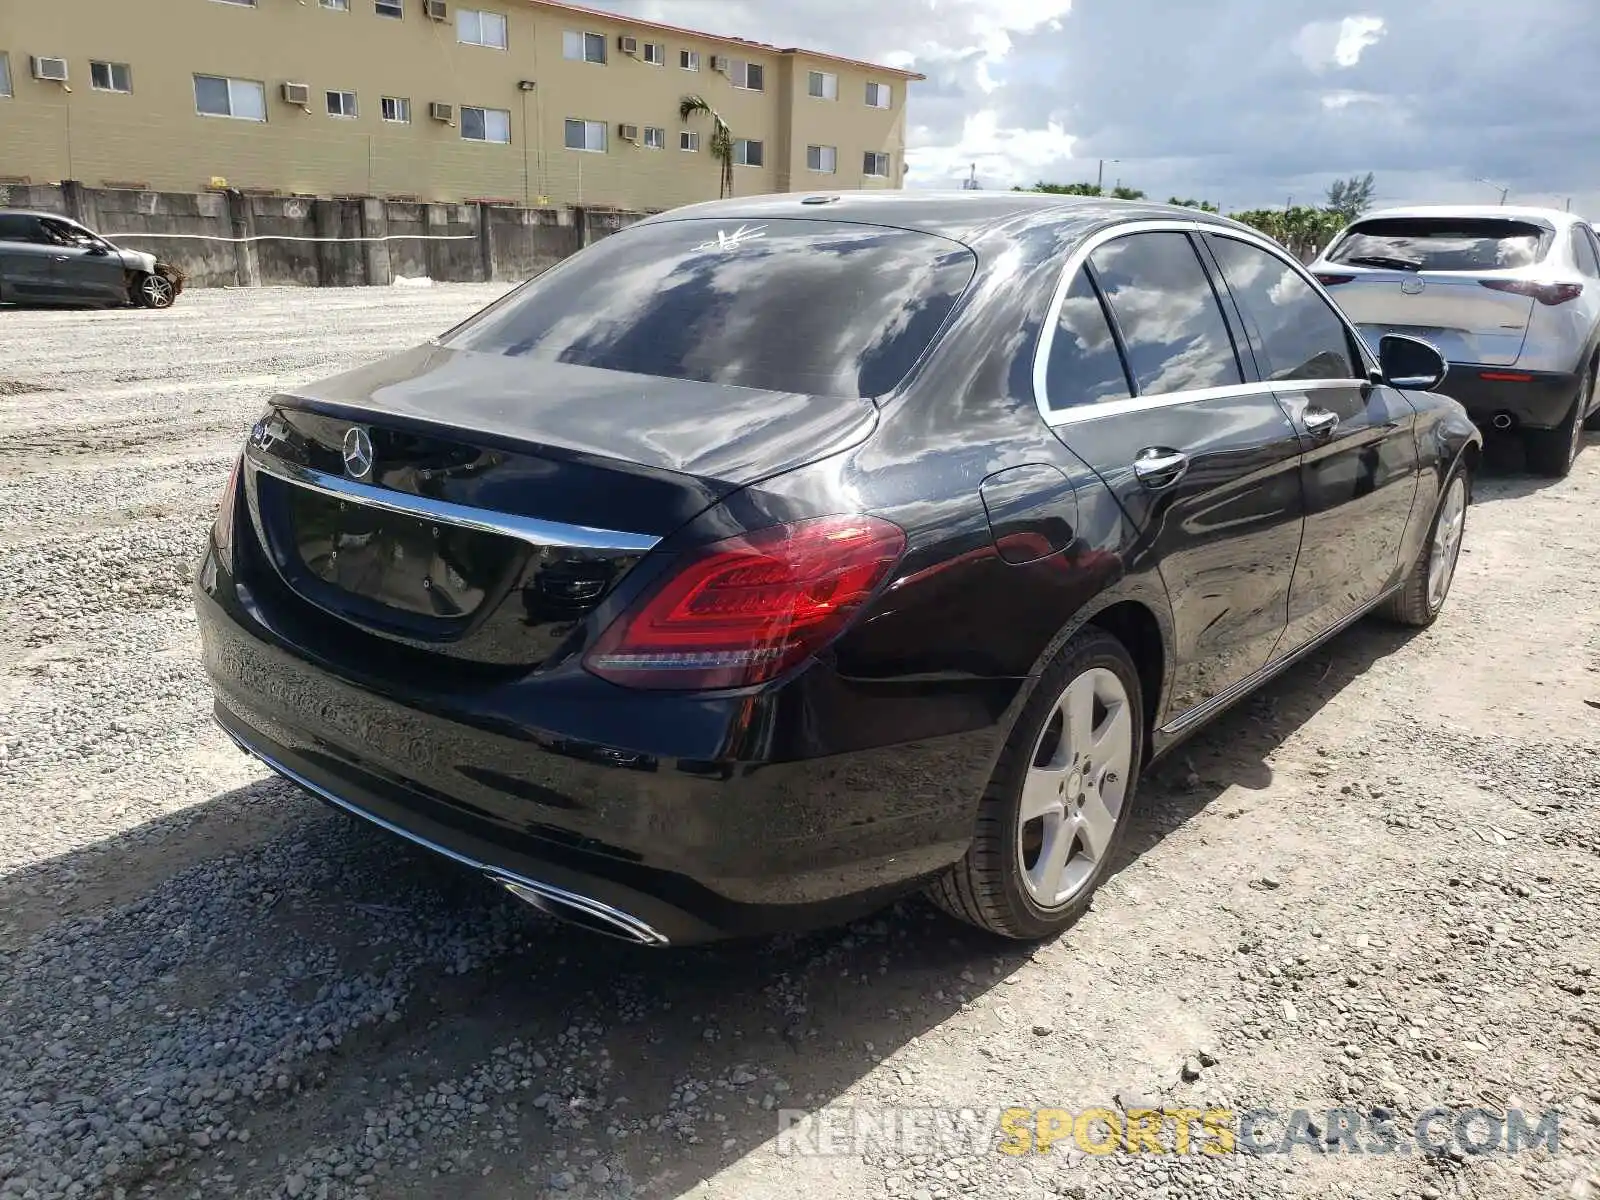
549	899
532	530
1248	684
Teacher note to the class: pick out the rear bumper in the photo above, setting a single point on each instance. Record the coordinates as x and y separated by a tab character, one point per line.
1540	401
572	792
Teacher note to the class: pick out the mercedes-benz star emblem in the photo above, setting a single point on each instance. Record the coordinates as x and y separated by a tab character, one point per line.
357	452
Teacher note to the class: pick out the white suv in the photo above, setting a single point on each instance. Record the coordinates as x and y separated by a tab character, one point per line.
1511	298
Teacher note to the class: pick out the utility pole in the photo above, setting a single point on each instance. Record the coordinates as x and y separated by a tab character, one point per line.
1501	188
1100	178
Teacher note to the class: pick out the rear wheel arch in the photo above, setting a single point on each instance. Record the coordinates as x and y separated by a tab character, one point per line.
1134	625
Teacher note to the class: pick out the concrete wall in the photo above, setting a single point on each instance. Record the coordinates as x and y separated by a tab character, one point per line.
236	240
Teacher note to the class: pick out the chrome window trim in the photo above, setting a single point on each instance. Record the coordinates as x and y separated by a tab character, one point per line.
532	530
1075	263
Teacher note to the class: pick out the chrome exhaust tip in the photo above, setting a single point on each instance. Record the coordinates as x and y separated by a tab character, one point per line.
1502	421
581	912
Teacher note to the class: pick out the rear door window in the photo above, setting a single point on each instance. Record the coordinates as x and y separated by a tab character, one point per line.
1171	322
1293	331
18	227
1443	244
1085	366
1583	249
823	308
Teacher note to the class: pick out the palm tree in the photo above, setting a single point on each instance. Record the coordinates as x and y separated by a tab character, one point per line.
721	143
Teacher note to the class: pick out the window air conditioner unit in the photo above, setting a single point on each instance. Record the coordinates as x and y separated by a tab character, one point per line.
52	69
719	62
628	133
442	112
436	10
628	45
297	93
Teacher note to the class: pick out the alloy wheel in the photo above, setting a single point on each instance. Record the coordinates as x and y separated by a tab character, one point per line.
1446	542
1073	793
157	290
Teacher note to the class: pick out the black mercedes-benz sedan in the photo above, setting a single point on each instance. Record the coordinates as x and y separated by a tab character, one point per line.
779	556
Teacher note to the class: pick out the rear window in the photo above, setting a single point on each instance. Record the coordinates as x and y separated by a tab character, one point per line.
824	308
1443	244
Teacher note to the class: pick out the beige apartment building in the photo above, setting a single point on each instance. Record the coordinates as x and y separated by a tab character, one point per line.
522	101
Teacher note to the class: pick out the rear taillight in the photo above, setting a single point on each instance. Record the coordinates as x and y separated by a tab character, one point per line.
745	609
1544	293
1327	280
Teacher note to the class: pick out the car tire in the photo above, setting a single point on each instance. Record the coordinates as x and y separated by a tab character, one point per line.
1427	584
1592	421
1551	452
1040	850
153	291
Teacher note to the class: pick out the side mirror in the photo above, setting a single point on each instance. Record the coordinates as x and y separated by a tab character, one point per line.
1411	363
97	249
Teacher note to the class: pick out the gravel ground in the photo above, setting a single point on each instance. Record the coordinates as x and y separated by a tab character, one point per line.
1370	886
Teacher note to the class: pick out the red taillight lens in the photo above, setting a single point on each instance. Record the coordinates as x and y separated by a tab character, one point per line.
745	609
1544	293
1327	280
1506	376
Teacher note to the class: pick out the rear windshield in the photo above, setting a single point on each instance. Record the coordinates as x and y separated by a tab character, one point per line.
1443	244
825	308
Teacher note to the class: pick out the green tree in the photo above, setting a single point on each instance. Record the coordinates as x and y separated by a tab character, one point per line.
1202	205
1126	193
720	143
1351	197
1062	189
1301	230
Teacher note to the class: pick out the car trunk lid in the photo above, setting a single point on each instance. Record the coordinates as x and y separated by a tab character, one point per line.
467	504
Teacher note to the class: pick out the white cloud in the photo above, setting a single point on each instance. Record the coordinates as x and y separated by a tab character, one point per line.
1337	100
1325	44
1003	156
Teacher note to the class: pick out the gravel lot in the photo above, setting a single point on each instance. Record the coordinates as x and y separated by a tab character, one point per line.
1373	884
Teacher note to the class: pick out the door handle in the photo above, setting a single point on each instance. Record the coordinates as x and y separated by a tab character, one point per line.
1320	423
62	257
1158	467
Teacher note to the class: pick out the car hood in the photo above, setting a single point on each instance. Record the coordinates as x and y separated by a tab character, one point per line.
136	260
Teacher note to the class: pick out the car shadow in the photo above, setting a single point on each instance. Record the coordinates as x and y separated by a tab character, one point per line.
1504	474
666	1066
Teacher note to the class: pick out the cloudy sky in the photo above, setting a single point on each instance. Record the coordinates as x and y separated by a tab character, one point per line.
1243	102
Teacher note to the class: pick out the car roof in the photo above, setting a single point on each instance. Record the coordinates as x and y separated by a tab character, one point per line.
35	212
1553	217
953	214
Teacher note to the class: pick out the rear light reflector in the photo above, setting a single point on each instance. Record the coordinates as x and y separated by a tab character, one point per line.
743	610
1327	280
1545	293
1506	376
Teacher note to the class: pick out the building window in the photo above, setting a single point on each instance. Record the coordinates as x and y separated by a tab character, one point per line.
586	135
876	165
242	99
5	74
396	109
342	104
583	47
878	95
110	77
747	153
747	75
822	158
822	85
336	5
689	60
474	28
485	124
654	53
388	8
688	139
654	139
